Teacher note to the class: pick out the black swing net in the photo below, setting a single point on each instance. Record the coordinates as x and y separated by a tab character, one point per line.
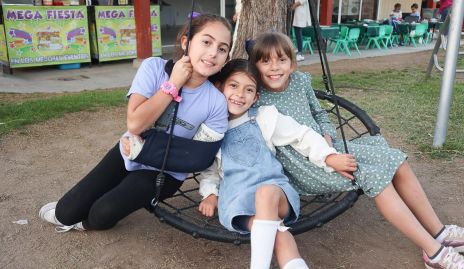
181	210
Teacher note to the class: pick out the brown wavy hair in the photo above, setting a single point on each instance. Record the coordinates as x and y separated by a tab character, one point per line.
265	43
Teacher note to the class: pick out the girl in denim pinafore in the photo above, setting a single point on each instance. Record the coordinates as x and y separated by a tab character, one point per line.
254	194
247	164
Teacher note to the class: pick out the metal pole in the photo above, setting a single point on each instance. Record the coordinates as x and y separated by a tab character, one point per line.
449	73
339	19
222	8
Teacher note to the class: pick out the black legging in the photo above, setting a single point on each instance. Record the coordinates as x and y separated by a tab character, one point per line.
109	193
299	38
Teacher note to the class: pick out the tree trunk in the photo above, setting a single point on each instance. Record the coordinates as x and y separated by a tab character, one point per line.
258	16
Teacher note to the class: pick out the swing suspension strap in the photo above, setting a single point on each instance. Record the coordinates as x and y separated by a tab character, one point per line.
327	78
160	178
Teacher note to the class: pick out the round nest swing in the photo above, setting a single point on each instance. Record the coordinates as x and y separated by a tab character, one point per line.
181	210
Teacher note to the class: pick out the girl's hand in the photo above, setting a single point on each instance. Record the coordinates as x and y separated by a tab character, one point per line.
208	205
181	72
125	145
127	148
344	164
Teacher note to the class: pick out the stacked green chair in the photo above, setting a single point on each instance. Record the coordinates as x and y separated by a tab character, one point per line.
293	37
428	33
307	41
395	38
341	38
350	41
377	40
387	39
404	32
417	35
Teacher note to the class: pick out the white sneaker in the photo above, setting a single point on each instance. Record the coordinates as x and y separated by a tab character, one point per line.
450	259
47	213
299	58
454	237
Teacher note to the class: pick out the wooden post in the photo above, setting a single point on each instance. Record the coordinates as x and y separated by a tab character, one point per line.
143	30
431	4
326	12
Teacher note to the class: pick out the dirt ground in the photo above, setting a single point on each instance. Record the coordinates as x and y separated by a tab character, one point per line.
41	162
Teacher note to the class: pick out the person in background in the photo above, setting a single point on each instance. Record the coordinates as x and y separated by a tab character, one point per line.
415	11
445	8
301	19
396	13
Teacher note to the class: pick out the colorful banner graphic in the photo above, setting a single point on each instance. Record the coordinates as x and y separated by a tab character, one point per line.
115	32
42	35
155	30
3	50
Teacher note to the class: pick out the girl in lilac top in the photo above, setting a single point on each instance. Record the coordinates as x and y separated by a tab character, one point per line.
117	186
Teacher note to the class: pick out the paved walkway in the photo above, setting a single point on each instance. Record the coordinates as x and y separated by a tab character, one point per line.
120	73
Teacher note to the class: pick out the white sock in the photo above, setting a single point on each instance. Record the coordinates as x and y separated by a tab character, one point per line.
262	238
297	263
437	258
441	237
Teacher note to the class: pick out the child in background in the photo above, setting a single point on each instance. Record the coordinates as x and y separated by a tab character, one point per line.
396	13
415	11
118	186
384	173
254	193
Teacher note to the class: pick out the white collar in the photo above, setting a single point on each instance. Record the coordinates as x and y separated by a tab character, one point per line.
238	121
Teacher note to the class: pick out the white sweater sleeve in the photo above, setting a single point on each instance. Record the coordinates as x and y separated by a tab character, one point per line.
281	130
210	178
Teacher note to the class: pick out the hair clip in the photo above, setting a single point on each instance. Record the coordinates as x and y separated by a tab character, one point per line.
194	14
249	43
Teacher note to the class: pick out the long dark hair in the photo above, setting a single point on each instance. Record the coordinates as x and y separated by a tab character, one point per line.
198	23
237	66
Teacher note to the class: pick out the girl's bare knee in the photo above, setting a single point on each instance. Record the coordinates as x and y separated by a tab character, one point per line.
268	194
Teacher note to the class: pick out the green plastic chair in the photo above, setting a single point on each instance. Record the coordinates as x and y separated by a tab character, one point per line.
377	40
293	37
307	41
428	33
341	38
418	34
404	32
387	38
350	41
395	38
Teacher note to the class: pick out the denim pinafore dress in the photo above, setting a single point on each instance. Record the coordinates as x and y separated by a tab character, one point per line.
247	164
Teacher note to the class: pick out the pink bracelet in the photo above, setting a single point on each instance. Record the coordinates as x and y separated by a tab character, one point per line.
171	89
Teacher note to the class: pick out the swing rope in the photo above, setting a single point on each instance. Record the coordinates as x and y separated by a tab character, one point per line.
161	177
326	76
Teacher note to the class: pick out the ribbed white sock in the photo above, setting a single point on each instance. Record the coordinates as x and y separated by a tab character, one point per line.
297	263
262	239
437	255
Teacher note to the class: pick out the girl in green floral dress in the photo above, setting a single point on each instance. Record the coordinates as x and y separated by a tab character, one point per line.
383	173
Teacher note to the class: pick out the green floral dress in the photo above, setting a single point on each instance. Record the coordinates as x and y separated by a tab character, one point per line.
377	162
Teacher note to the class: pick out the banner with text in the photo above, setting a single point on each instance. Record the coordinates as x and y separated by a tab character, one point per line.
115	32
43	35
3	50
